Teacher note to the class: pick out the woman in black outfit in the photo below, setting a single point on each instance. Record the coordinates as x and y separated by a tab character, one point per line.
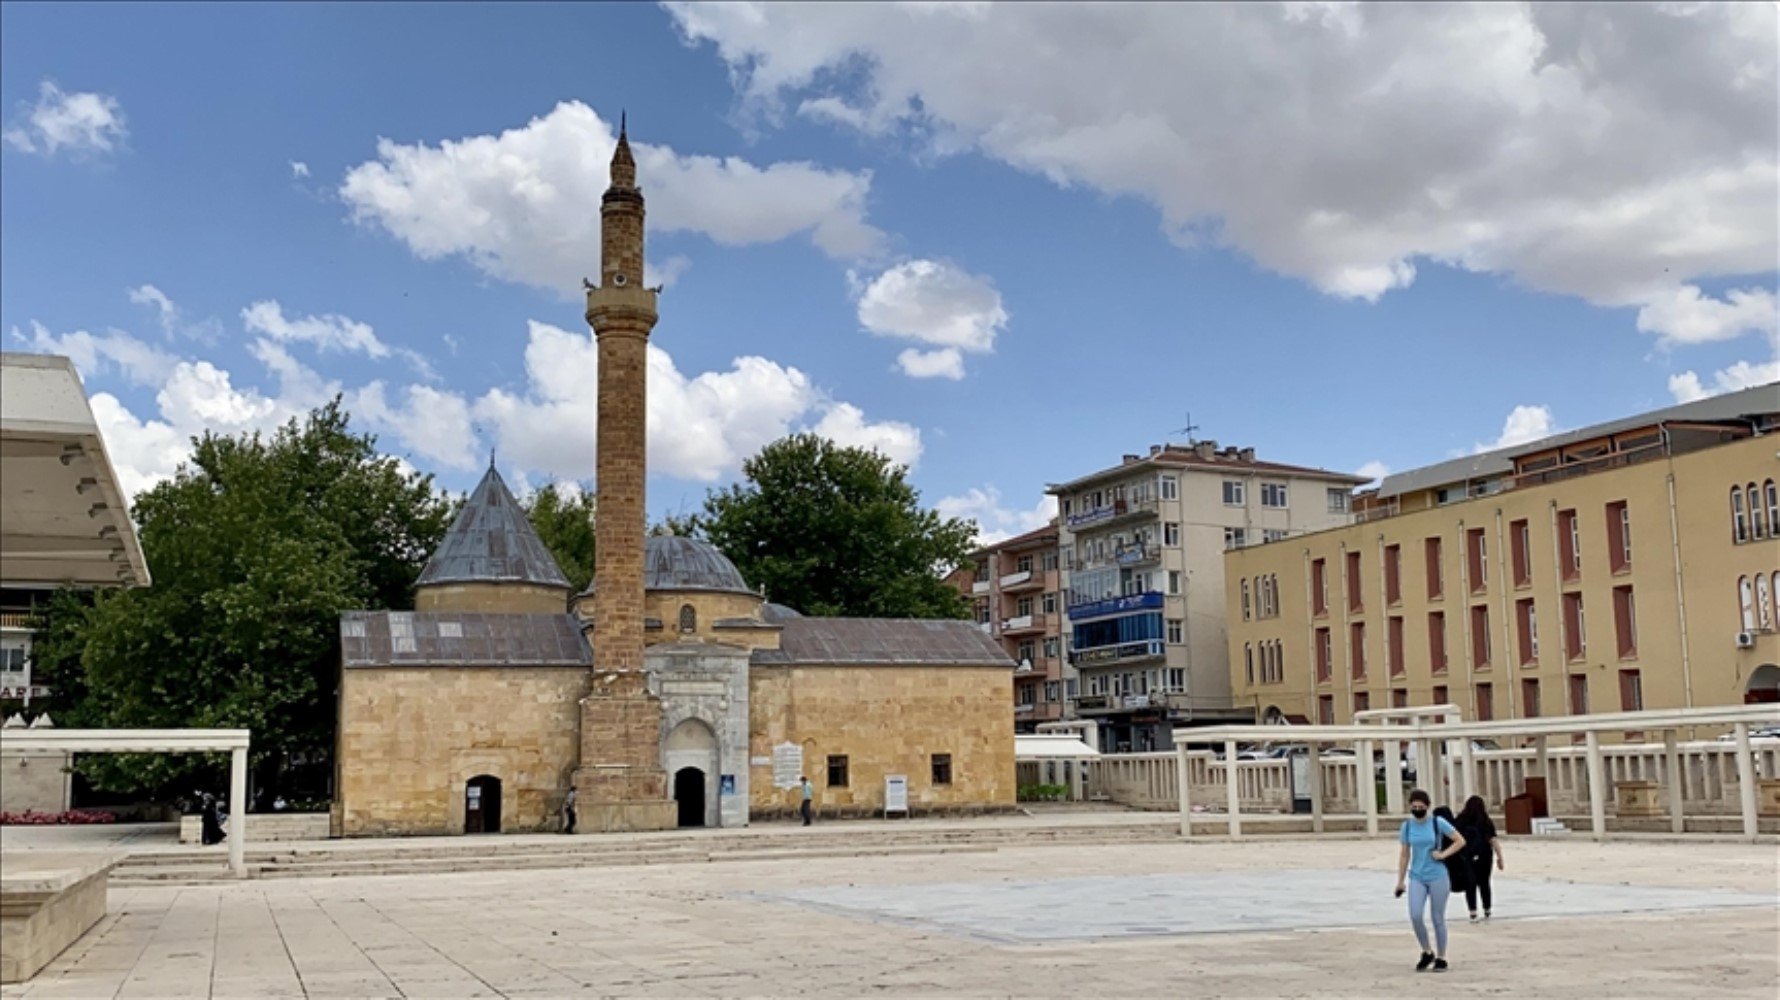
1481	843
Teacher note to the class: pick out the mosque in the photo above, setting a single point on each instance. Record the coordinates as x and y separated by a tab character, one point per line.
668	693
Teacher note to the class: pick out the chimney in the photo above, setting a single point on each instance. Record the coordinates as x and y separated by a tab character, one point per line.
1155	449
1206	449
1248	454
1127	459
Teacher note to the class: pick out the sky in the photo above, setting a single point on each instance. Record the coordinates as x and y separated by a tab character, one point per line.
1002	244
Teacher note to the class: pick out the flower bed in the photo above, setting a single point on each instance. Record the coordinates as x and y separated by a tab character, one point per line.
72	817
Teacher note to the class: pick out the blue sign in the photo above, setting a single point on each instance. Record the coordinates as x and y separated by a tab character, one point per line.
726	785
1146	601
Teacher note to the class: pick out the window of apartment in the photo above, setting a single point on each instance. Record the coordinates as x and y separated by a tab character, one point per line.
1245	601
1171	534
1526	624
1393	574
1051	690
837	770
1395	629
1023	564
1273	495
1338	501
1248	662
1575	628
1486	703
982	612
1096	684
1631	691
1569	545
1362	701
1177	631
1325	710
1233	493
1027	648
1027	693
1436	577
1050	562
1235	538
1399	697
1279	662
1325	654
1319	588
1625	621
1052	647
1520	537
1069	688
1758	517
1273	534
1050	603
1480	637
1440	695
942	768
1356	647
1739	517
1174	581
1437	642
1477	560
1529	698
1746	602
1023	607
1578	694
1170	488
1351	579
1764	602
1619	536
1177	679
1772	494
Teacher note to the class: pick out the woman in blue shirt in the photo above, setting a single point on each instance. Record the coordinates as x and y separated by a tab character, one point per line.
1420	861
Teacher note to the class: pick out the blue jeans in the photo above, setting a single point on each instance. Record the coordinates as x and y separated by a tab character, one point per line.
1433	894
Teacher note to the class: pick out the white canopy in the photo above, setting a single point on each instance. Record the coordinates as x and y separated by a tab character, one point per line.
1052	746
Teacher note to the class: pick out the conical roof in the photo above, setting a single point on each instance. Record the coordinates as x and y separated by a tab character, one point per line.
492	542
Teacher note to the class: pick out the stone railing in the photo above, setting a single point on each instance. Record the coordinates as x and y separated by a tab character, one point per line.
1152	781
264	827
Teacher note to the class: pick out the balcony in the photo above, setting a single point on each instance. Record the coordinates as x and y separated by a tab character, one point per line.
1124	652
1100	704
979	587
15	620
1015	579
1017	583
1148	601
1020	624
987	627
1116	513
1124	557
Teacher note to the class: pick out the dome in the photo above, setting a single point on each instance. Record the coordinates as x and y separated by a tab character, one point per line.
778	614
671	562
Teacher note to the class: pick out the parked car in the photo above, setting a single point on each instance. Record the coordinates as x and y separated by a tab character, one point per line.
1755	733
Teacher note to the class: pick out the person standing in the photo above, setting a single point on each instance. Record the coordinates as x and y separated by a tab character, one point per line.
1458	866
809	797
568	811
1481	846
1420	870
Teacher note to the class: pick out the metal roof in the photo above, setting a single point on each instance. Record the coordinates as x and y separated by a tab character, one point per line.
673	562
883	642
1500	462
447	639
492	542
778	614
1183	459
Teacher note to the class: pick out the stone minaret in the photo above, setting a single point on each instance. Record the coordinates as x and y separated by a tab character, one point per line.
621	783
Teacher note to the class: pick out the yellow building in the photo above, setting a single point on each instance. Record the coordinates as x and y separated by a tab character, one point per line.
1630	565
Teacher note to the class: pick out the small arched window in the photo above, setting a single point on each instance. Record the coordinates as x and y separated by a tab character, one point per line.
1739	519
1773	498
1758	515
1764	602
688	618
1746	601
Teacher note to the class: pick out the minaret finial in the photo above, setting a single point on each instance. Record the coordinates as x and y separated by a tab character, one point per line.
622	116
491	458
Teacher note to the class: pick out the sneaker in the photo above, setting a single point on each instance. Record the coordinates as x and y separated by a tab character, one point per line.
1473	916
1486	914
1427	960
1439	965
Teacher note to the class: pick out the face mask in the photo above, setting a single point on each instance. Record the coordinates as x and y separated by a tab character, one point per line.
1418	813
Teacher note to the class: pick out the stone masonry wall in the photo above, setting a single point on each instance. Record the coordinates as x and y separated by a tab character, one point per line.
411	737
885	720
492	598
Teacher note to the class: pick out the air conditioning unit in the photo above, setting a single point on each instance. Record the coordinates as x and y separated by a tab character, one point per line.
1745	640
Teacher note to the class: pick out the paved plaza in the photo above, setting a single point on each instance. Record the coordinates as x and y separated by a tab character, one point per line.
1273	917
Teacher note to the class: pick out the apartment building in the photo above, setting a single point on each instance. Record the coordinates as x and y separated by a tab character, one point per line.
1141	545
1015	591
1630	565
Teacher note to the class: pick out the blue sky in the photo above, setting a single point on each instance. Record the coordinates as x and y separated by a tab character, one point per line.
1004	244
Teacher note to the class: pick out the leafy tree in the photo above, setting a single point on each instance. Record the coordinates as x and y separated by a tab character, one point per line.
831	530
256	546
563	520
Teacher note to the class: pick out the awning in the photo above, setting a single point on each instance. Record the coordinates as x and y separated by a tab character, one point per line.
1051	746
64	518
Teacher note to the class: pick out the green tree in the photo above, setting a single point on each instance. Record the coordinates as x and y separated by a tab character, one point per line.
563	520
831	530
256	545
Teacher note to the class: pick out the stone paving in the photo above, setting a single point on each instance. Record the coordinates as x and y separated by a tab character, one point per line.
1575	919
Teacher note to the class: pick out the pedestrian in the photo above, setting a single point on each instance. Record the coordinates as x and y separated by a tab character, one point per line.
210	826
1458	867
809	796
1420	863
1481	845
568	811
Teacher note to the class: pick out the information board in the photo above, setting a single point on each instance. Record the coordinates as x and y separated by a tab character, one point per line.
896	794
787	765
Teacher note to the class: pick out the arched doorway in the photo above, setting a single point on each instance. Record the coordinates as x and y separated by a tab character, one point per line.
482	804
690	756
1764	685
689	792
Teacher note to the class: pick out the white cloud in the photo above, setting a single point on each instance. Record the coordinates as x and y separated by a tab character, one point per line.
1524	424
700	427
522	205
299	169
1373	471
95	355
328	332
435	424
995	520
81	123
1688	317
937	304
1688	386
149	295
1614	152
